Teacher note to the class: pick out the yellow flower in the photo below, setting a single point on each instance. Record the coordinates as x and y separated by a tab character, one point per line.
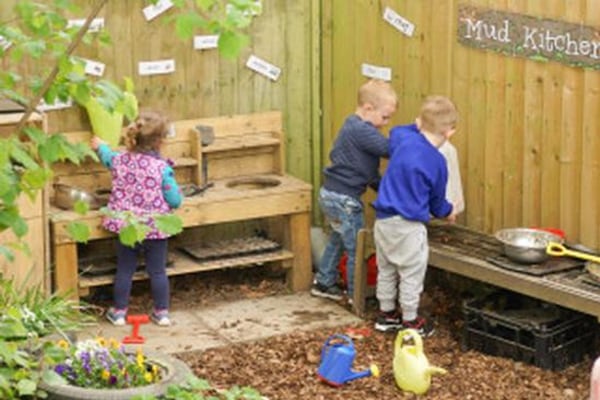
63	344
105	375
139	357
114	343
101	341
154	370
148	377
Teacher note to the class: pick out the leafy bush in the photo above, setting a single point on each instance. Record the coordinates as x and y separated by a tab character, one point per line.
27	317
200	389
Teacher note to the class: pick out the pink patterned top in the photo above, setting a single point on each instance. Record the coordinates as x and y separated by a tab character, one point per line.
137	187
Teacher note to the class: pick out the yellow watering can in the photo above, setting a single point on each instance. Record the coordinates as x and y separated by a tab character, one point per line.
411	367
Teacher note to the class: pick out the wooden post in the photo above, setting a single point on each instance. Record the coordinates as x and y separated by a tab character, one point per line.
300	275
360	273
66	277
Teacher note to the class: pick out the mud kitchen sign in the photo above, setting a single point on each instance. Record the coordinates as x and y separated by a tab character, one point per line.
531	37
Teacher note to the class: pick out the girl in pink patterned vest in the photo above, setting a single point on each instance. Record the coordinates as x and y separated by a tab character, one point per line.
143	183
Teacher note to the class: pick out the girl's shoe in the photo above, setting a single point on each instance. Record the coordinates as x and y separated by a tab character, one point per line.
161	317
116	316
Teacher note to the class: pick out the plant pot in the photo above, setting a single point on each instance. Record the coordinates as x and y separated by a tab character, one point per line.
175	372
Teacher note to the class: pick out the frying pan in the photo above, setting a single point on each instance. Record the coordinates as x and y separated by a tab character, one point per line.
557	249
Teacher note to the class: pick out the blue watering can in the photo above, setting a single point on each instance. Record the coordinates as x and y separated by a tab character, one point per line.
337	357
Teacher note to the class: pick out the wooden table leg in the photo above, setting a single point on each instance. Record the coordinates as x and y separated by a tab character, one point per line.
300	275
360	274
66	278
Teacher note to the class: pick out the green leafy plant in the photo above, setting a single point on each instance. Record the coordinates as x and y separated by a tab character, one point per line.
201	389
38	35
27	317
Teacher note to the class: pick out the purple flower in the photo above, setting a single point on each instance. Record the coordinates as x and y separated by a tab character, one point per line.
61	369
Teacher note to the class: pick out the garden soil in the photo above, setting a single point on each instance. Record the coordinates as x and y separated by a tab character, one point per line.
284	367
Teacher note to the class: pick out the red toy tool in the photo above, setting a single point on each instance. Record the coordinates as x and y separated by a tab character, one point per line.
136	321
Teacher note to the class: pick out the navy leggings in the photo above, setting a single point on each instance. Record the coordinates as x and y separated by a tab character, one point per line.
155	255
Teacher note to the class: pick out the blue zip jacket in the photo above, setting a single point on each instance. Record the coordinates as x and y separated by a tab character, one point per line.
414	183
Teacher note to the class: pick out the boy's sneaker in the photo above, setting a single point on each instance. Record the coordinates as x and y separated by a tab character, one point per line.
161	317
116	316
331	292
421	325
388	321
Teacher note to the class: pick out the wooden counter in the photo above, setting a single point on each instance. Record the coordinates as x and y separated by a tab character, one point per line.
219	204
243	147
465	252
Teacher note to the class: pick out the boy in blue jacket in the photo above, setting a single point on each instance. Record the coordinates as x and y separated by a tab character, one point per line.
412	189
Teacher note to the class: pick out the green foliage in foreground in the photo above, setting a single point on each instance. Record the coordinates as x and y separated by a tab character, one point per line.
38	36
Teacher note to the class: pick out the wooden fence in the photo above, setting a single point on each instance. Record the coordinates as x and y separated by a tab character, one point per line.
204	83
529	133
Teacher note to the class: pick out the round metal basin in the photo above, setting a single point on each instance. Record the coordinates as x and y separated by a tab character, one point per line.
253	183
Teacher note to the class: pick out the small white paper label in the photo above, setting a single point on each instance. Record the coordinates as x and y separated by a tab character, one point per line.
95	68
57	105
156	67
372	71
96	25
264	68
154	10
398	22
4	43
206	42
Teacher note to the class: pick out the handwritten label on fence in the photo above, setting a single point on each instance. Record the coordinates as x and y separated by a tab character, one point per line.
263	67
156	67
531	37
375	72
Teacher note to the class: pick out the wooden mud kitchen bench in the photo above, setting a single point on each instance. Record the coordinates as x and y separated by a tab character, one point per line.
463	251
238	163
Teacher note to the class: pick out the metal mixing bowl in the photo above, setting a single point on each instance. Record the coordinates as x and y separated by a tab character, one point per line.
65	196
526	246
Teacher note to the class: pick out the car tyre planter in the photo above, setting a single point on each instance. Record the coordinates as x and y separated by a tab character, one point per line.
175	372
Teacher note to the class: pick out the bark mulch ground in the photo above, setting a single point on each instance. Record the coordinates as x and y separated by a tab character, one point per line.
284	367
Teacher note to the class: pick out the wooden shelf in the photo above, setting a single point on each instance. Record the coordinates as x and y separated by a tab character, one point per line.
240	143
182	162
184	264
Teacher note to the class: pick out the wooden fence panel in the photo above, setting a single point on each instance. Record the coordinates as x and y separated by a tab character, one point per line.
528	137
204	83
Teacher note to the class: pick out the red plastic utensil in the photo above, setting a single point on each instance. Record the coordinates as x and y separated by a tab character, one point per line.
136	321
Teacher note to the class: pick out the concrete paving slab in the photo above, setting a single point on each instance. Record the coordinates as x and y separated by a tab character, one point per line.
186	333
233	322
261	318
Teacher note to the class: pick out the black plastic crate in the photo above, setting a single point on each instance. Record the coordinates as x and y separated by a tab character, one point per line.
512	325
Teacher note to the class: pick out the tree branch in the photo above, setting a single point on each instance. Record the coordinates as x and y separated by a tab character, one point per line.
72	46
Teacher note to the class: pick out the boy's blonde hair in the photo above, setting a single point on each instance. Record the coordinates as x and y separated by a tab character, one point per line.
438	114
376	92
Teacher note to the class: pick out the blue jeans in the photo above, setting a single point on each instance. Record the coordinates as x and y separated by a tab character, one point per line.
344	215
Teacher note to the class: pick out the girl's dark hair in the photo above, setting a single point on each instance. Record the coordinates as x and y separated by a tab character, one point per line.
146	132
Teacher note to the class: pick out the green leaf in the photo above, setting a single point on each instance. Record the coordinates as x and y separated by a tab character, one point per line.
170	224
7	253
186	24
231	43
79	231
81	207
130	235
26	387
205	5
